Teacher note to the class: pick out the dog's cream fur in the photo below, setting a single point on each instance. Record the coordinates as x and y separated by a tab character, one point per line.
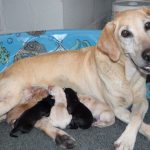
103	72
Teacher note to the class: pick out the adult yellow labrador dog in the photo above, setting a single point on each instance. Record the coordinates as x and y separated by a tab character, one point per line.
111	72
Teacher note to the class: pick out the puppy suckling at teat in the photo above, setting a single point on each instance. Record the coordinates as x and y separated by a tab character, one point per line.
61	113
27	120
59	116
81	115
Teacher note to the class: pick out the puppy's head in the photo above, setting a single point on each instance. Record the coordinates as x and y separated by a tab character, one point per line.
49	100
58	94
128	34
71	95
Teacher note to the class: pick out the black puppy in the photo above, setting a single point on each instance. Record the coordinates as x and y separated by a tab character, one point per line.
27	120
81	115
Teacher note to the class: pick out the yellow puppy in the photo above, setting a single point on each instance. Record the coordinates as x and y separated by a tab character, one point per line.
59	116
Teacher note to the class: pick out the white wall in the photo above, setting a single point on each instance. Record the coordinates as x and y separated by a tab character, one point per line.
77	13
28	15
25	15
85	13
1	18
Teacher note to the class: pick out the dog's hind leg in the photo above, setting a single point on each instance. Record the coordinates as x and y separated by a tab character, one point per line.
10	96
60	137
8	103
31	96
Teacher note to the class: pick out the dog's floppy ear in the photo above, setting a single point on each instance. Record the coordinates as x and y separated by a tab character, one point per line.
107	42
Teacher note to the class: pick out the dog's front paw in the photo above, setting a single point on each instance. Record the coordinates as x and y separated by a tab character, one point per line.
145	130
65	141
125	142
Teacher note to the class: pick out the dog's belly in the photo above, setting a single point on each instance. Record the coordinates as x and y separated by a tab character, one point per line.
81	86
46	70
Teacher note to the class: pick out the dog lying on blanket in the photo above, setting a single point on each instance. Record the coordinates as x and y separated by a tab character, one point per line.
111	72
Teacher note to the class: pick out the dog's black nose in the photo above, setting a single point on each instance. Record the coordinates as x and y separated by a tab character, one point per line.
146	55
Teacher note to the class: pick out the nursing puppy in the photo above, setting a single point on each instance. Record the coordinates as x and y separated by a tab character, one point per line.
27	120
81	115
59	116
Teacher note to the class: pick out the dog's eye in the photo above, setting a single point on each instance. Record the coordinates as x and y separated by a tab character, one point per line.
126	33
147	26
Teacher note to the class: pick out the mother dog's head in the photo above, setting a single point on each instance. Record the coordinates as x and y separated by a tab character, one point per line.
128	34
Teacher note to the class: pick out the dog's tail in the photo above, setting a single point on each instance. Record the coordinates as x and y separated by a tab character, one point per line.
12	132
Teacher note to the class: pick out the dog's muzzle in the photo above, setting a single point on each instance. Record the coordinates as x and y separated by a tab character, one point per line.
145	69
146	57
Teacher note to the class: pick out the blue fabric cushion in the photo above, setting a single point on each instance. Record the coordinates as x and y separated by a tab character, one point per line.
26	44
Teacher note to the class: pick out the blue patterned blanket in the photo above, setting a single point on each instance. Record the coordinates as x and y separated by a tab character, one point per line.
26	44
